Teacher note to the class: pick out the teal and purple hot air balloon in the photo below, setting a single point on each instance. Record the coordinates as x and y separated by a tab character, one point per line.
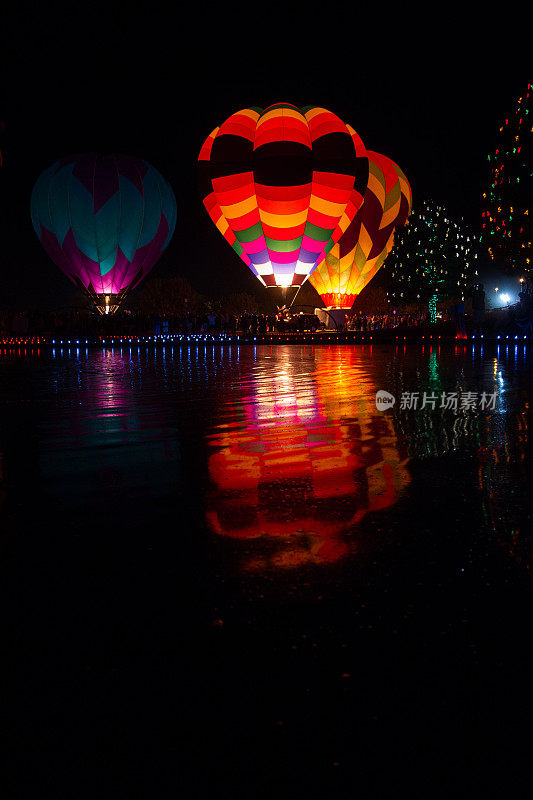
104	220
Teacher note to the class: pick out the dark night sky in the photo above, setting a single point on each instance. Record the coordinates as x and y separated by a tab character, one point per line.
154	84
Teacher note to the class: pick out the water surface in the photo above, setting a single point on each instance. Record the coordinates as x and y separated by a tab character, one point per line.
226	559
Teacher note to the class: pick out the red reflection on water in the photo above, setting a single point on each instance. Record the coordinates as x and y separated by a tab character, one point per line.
310	457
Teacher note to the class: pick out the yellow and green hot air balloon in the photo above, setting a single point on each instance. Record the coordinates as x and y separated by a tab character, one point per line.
366	243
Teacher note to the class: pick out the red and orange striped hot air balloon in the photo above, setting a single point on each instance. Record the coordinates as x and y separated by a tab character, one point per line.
282	185
352	262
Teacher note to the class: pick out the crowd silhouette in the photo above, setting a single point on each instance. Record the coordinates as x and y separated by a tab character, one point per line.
459	318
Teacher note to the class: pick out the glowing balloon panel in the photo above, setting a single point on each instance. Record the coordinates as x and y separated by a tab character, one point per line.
282	185
103	220
354	260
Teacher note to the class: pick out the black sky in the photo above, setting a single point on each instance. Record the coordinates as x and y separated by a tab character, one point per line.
419	85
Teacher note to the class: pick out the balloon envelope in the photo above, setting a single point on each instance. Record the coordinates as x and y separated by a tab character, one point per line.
352	263
282	185
104	220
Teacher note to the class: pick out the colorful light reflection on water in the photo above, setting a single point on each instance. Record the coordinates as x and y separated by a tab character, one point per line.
308	458
282	448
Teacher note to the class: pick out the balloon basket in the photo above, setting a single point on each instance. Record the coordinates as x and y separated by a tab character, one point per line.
106	303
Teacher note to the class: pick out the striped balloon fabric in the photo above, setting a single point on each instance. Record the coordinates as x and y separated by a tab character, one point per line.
282	185
352	263
104	221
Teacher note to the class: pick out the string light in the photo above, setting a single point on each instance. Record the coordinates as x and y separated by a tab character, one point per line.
433	258
508	198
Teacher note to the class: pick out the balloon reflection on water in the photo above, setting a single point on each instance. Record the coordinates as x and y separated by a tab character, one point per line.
308	458
104	433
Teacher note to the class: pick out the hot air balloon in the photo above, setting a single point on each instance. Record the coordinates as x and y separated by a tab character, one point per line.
282	185
361	251
104	220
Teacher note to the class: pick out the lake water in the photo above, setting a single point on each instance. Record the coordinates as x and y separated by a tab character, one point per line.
226	566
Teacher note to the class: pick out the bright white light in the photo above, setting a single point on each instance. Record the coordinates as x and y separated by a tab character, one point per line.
505	298
284	280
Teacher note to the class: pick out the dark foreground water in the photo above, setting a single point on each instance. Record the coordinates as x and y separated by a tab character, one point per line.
225	573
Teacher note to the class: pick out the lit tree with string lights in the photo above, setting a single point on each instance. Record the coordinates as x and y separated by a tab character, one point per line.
506	217
433	259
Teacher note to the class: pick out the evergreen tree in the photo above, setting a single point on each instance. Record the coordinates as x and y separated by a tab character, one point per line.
433	259
506	218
